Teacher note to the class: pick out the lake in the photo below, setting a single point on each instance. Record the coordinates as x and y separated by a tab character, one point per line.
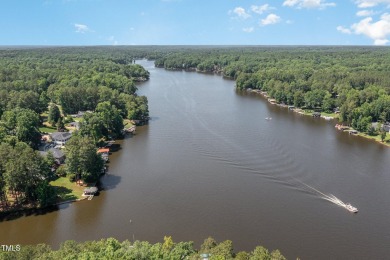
209	164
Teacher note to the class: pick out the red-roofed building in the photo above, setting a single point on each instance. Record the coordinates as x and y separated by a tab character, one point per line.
104	150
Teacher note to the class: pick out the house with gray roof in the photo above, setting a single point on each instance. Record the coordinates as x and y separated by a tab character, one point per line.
58	155
60	138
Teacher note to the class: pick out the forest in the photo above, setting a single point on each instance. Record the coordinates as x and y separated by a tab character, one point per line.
352	81
141	250
40	89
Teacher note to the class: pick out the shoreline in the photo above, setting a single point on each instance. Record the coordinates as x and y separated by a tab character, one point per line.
332	116
24	210
20	212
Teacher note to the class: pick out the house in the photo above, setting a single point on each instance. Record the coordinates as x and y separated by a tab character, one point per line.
90	191
386	127
104	152
60	138
375	125
58	155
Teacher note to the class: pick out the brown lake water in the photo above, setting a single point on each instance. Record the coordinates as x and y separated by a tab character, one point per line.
209	164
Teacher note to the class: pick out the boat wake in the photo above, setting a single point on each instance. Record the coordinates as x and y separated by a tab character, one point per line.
332	198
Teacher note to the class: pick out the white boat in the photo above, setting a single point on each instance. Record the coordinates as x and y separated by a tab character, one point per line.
351	208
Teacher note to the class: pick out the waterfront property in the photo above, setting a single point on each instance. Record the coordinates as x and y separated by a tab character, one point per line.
90	191
104	152
60	138
316	114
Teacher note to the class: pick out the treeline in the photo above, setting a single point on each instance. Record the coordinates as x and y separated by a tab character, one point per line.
60	82
76	79
354	81
141	250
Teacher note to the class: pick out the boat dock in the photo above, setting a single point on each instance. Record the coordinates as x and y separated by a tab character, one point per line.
90	192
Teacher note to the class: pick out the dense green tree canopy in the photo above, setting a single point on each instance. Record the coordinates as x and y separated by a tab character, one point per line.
54	114
82	158
111	248
25	174
22	124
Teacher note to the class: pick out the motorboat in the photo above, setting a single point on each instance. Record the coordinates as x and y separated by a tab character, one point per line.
351	208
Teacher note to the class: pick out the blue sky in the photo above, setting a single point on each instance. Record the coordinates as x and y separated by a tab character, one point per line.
194	22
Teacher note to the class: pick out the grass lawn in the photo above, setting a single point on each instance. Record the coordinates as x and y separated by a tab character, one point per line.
330	114
47	129
67	190
310	112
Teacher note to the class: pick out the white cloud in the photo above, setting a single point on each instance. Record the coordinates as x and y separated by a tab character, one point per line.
81	28
371	3
381	42
343	30
377	31
270	19
248	29
309	4
365	13
261	8
241	13
290	2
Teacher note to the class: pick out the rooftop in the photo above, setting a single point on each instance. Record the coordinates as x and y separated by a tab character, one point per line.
57	153
61	136
104	150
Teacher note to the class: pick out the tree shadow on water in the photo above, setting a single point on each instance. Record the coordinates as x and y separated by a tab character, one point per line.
15	214
109	182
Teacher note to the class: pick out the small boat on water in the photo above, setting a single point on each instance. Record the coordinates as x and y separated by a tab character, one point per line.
268	118
351	208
